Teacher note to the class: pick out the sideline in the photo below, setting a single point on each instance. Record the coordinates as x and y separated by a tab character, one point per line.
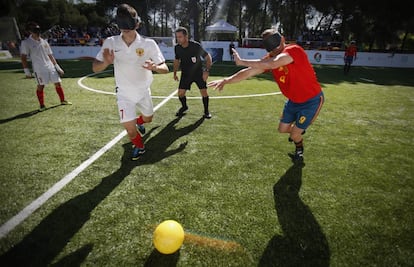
80	83
32	207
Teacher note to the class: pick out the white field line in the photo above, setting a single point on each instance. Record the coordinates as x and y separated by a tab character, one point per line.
367	80
32	207
80	83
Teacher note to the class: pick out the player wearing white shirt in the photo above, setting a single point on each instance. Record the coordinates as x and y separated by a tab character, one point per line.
45	67
134	59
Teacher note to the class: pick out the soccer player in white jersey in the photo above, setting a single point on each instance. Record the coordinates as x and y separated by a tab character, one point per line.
45	67
134	58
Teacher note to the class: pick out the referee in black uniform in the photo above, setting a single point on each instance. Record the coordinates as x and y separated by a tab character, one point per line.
188	56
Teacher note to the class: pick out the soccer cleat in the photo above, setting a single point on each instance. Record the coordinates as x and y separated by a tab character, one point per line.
207	115
64	102
42	108
137	153
181	111
296	157
141	129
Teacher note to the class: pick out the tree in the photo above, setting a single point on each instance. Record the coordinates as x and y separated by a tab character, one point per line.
387	25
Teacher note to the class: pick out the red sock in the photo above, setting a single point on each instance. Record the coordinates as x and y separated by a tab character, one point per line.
59	91
140	120
137	141
41	97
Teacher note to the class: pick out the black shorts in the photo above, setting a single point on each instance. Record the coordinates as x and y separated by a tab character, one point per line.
186	81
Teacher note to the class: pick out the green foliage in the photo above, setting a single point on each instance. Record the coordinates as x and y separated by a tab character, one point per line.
227	180
374	28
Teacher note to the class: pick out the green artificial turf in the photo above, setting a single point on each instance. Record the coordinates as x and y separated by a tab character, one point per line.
227	180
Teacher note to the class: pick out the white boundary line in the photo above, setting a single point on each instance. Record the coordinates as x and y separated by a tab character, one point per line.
32	207
367	80
161	97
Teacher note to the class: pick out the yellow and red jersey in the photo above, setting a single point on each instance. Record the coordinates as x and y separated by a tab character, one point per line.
297	80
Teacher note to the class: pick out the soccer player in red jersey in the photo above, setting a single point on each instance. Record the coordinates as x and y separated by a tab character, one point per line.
349	56
297	81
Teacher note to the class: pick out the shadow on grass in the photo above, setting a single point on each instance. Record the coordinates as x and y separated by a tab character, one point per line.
42	245
156	259
27	114
303	243
157	146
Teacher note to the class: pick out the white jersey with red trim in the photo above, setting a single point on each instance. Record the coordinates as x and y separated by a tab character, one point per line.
130	76
39	52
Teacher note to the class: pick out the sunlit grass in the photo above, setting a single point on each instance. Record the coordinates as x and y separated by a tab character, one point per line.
351	205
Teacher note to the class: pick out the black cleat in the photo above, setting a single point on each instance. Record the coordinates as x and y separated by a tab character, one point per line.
181	111
137	153
207	115
297	157
141	129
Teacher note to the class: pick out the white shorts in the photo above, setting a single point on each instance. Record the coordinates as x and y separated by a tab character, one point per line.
127	107
46	77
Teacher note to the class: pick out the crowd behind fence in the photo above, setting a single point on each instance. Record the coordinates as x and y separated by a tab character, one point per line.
94	36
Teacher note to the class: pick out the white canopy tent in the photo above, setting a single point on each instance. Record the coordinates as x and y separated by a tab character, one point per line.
221	26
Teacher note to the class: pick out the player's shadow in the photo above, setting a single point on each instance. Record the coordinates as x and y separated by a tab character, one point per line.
26	114
303	242
158	146
41	246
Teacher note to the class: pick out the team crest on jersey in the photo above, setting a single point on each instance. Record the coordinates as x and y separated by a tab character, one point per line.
194	59
139	51
284	69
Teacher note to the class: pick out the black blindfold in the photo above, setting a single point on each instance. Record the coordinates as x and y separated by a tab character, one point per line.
127	22
272	41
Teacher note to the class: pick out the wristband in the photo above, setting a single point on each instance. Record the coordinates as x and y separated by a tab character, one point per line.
206	70
27	72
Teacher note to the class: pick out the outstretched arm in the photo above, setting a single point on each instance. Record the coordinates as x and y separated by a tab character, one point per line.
237	77
266	63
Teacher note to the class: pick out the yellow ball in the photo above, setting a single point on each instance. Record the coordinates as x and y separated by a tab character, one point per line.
168	237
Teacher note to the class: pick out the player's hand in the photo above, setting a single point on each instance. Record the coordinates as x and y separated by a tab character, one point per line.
27	73
108	56
59	70
236	57
175	77
217	84
149	65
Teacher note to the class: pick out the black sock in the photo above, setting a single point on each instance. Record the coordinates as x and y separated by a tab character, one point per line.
205	103
299	147
183	100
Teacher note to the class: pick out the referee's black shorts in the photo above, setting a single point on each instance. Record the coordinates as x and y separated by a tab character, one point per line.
186	81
